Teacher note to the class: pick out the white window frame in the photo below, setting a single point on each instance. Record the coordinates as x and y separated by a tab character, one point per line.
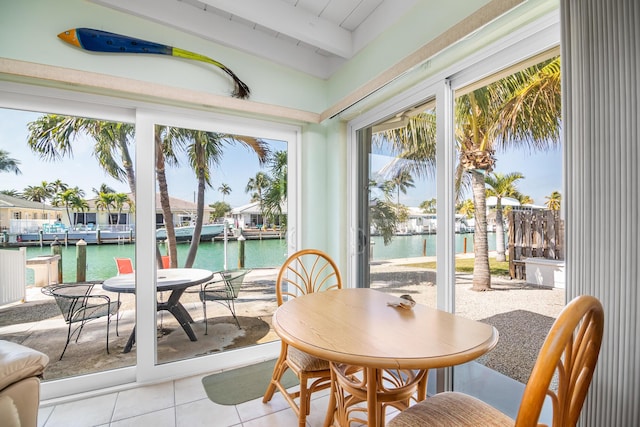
35	98
535	38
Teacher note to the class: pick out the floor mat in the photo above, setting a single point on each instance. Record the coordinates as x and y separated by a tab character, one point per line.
243	384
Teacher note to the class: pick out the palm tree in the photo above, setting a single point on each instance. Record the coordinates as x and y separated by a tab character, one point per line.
70	199
276	192
58	186
383	215
428	206
78	204
204	150
224	189
104	188
522	110
501	185
258	184
523	198
402	181
8	164
38	193
12	193
51	136
106	201
119	200
466	208
219	210
553	201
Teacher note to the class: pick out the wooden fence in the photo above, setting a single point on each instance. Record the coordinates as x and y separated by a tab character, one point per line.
538	233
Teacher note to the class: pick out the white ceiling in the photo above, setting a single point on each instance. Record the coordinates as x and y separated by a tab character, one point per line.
312	36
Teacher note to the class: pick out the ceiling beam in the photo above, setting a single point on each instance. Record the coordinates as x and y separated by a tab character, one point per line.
220	30
291	21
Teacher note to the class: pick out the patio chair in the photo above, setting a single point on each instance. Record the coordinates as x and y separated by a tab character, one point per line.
304	272
78	306
570	350
166	261
223	290
124	265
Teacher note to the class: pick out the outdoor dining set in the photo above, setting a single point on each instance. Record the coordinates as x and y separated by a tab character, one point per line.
373	350
79	303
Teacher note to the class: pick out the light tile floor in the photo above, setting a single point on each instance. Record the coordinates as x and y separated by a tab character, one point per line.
179	403
184	403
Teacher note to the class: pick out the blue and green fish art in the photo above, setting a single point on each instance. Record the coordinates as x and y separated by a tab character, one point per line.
103	41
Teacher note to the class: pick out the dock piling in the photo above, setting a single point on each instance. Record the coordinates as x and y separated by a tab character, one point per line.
81	261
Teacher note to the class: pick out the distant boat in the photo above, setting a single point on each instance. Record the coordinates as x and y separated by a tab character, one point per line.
184	234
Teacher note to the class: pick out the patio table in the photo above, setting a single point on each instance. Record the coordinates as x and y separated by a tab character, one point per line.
176	280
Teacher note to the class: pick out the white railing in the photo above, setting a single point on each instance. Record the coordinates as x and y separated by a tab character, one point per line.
13	264
23	226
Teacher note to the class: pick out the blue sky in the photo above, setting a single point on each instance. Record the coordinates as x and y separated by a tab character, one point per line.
239	165
542	171
542	175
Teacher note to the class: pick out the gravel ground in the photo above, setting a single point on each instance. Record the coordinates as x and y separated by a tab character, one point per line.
522	313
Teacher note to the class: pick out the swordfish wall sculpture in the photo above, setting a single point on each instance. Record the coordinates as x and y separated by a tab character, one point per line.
102	41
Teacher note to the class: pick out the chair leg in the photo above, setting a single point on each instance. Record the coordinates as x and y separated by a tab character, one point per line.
278	371
80	328
204	312
109	321
118	316
67	343
331	408
304	403
232	307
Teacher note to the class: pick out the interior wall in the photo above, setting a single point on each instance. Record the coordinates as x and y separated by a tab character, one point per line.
323	193
600	66
32	28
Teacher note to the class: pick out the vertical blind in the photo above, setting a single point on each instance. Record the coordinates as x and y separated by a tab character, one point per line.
600	47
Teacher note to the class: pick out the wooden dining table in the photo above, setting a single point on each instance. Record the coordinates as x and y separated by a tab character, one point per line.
175	280
358	327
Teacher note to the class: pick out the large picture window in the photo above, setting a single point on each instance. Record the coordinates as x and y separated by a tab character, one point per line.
98	183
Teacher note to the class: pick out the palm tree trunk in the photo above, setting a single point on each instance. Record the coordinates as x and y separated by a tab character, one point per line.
500	255
127	164
197	230
69	216
163	188
481	274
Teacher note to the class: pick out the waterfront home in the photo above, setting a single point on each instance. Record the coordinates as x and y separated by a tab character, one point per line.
183	213
24	216
322	75
251	216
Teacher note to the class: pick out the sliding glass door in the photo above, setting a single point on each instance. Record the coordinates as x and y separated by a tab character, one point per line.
397	228
491	148
117	179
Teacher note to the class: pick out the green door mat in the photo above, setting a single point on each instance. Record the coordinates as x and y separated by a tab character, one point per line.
243	384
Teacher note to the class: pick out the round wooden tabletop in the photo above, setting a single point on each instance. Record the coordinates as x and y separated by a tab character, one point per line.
358	327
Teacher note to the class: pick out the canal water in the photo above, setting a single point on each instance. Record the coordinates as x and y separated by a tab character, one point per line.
258	254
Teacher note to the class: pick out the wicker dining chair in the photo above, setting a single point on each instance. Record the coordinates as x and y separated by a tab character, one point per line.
569	351
304	272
